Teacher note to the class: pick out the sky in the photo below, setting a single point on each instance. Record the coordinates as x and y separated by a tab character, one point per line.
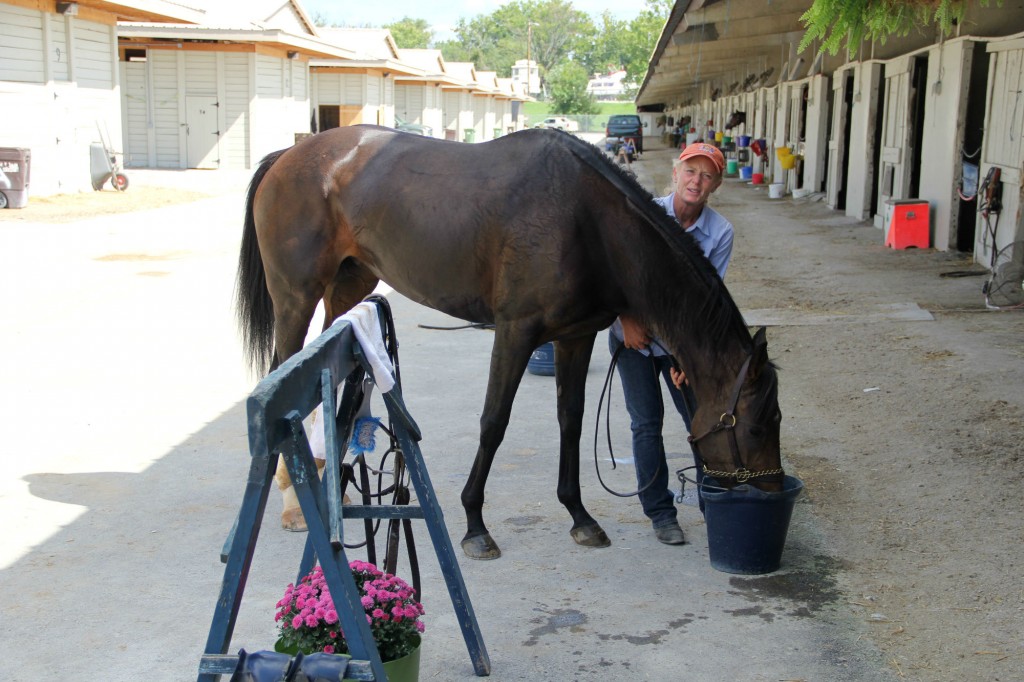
443	15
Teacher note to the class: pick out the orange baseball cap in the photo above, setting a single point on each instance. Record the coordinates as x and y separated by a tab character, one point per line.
706	150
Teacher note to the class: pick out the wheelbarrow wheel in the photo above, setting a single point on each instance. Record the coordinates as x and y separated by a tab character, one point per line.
119	181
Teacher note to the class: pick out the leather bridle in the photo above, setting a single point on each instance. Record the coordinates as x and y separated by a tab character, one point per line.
727	423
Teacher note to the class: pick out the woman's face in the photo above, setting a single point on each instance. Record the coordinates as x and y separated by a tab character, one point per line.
695	179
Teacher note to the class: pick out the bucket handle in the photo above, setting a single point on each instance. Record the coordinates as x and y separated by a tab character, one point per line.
683	480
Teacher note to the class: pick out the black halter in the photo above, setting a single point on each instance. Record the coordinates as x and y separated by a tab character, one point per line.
727	423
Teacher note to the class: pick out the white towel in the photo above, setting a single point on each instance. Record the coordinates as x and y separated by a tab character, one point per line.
366	326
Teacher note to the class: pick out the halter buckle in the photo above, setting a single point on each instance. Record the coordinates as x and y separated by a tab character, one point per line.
743	475
724	422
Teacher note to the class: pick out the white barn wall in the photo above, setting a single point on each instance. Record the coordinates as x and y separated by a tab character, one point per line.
1003	146
372	91
57	82
281	107
235	109
262	102
167	120
433	114
452	114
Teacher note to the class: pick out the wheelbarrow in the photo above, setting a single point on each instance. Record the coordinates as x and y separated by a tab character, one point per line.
104	164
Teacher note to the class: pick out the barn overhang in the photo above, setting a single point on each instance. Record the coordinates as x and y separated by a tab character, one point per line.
268	41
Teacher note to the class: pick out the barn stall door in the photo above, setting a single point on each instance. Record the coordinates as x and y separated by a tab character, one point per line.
839	139
202	132
893	174
1003	147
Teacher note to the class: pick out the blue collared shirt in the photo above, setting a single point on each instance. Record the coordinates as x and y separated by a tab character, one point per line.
714	234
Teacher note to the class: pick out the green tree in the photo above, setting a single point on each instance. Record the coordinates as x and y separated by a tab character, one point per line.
568	85
496	41
411	33
626	45
642	37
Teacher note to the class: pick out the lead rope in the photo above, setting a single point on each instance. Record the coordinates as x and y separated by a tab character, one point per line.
608	430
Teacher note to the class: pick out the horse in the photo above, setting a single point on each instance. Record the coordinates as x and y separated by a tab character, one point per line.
537	233
737	118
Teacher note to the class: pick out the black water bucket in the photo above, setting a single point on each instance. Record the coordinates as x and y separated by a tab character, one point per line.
542	361
746	526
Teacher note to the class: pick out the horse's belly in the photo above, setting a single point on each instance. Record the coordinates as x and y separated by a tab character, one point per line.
437	289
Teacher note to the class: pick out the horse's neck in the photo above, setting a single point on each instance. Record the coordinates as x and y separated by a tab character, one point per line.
680	298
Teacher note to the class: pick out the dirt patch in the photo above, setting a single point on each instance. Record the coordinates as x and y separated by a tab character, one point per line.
66	208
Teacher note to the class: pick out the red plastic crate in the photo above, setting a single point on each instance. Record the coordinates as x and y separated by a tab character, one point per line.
908	224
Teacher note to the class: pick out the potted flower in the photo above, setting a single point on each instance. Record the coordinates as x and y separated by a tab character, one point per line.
308	622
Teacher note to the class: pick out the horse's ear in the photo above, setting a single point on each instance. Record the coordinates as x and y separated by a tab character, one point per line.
759	356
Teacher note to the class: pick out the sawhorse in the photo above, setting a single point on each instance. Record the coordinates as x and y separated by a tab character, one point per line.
276	409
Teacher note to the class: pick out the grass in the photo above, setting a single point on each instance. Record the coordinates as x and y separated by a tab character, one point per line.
538	111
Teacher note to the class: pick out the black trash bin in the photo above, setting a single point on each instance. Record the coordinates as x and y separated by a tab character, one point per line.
15	164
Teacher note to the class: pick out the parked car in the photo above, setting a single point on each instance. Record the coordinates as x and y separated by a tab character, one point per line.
414	128
626	125
560	123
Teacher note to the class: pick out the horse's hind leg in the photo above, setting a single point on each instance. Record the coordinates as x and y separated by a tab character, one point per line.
290	328
572	361
352	283
511	353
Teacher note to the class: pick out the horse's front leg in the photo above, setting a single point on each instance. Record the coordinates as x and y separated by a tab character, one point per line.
572	359
511	353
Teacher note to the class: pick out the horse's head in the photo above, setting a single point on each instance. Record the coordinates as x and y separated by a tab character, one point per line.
736	427
735	119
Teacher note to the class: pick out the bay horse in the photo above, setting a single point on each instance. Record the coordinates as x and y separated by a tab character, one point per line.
737	118
537	233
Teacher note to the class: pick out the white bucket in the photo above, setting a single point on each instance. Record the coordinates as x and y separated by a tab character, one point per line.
775	190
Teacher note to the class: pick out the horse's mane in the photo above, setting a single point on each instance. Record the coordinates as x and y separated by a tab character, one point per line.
720	319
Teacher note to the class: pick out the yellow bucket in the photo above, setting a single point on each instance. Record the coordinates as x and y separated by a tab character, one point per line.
783	152
788	162
719	135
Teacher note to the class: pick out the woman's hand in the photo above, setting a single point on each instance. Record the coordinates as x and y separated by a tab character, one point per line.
678	376
634	335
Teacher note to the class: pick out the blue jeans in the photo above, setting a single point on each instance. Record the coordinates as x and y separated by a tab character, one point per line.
641	386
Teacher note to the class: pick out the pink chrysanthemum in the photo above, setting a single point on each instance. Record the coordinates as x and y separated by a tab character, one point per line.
308	621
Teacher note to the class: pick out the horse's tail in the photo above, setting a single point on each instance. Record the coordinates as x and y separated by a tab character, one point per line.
253	306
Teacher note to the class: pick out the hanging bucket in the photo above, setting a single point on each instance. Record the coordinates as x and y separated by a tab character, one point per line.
746	172
747	526
542	362
775	190
726	139
731	166
743	140
719	136
757	178
788	162
783	152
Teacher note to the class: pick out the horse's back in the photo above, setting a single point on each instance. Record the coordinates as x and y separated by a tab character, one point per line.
468	229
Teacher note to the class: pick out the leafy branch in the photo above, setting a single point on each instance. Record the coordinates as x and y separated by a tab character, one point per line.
830	21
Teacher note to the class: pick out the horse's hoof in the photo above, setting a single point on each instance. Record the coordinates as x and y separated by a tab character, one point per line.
481	547
590	536
292	519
